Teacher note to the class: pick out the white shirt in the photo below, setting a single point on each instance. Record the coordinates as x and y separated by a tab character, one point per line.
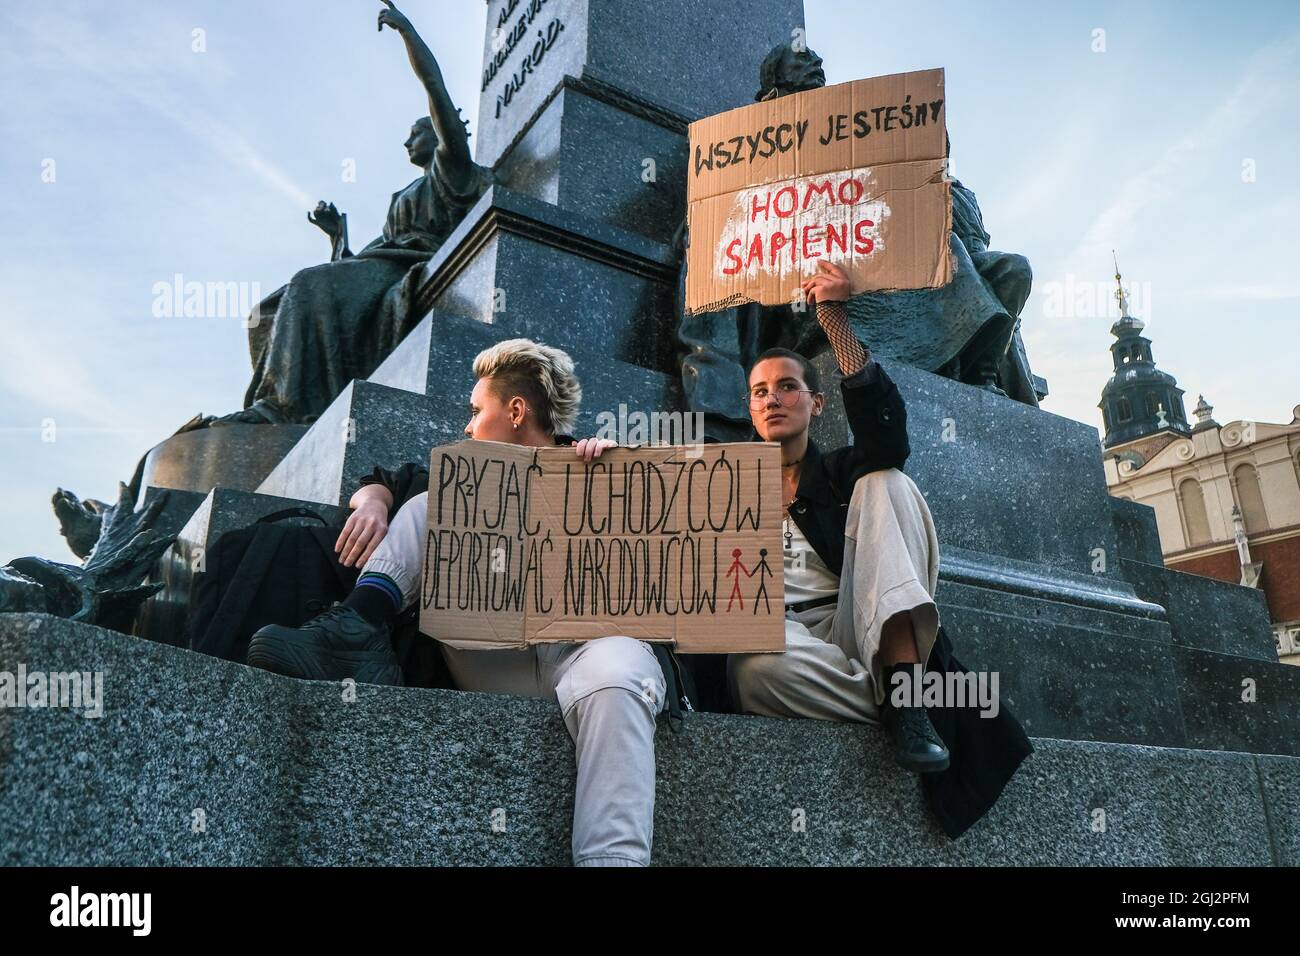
806	575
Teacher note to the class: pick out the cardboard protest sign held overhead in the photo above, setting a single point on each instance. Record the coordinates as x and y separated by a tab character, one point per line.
676	544
852	174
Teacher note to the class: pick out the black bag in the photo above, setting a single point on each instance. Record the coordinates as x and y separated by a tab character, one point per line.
267	573
275	573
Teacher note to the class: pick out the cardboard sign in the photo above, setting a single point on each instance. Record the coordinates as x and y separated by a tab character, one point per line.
678	544
852	174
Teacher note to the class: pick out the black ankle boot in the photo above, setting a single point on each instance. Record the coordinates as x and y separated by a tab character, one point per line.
332	646
917	745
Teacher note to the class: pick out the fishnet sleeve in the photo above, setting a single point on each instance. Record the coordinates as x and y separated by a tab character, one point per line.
849	352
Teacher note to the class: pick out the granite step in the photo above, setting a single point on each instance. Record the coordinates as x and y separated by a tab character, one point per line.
227	456
1088	674
1067	670
1206	613
287	772
1238	703
367	425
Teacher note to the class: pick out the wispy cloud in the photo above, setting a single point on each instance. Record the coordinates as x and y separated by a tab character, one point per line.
148	81
46	371
1269	74
65	347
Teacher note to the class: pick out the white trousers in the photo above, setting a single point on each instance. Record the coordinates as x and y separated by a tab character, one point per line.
830	670
609	691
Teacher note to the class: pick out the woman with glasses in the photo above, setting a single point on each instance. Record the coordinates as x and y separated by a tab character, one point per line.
860	553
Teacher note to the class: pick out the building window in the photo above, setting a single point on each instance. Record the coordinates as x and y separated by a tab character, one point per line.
1249	498
1153	405
1192	504
1125	410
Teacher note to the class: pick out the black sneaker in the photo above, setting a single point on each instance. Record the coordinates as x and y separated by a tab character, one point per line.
917	746
332	646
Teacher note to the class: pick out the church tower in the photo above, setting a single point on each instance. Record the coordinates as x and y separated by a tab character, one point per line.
1139	400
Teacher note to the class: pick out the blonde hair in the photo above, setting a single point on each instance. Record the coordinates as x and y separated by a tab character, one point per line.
539	374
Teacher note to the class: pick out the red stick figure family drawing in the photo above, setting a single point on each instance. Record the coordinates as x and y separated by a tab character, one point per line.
761	569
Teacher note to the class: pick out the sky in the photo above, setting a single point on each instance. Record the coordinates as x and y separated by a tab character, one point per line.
144	141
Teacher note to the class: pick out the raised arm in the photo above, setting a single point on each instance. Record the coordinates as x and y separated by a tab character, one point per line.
874	407
453	141
829	289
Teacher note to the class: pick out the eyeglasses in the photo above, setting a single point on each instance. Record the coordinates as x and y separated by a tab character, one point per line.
786	394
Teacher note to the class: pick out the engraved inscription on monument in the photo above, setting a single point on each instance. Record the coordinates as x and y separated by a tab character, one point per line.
530	46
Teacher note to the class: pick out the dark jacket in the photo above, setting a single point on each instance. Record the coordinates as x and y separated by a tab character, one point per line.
984	752
877	418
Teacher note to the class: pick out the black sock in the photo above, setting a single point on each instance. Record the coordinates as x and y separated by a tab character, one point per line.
374	604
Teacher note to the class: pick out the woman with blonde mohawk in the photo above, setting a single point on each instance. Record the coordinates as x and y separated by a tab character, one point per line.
609	690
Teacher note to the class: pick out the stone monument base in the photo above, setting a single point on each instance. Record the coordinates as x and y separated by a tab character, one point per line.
287	773
226	456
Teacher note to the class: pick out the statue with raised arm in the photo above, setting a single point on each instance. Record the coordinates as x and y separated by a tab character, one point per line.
337	321
966	330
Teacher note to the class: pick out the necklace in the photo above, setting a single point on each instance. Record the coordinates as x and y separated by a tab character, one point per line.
785	508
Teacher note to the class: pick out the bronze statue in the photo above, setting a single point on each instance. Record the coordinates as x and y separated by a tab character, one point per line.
337	321
106	588
965	330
